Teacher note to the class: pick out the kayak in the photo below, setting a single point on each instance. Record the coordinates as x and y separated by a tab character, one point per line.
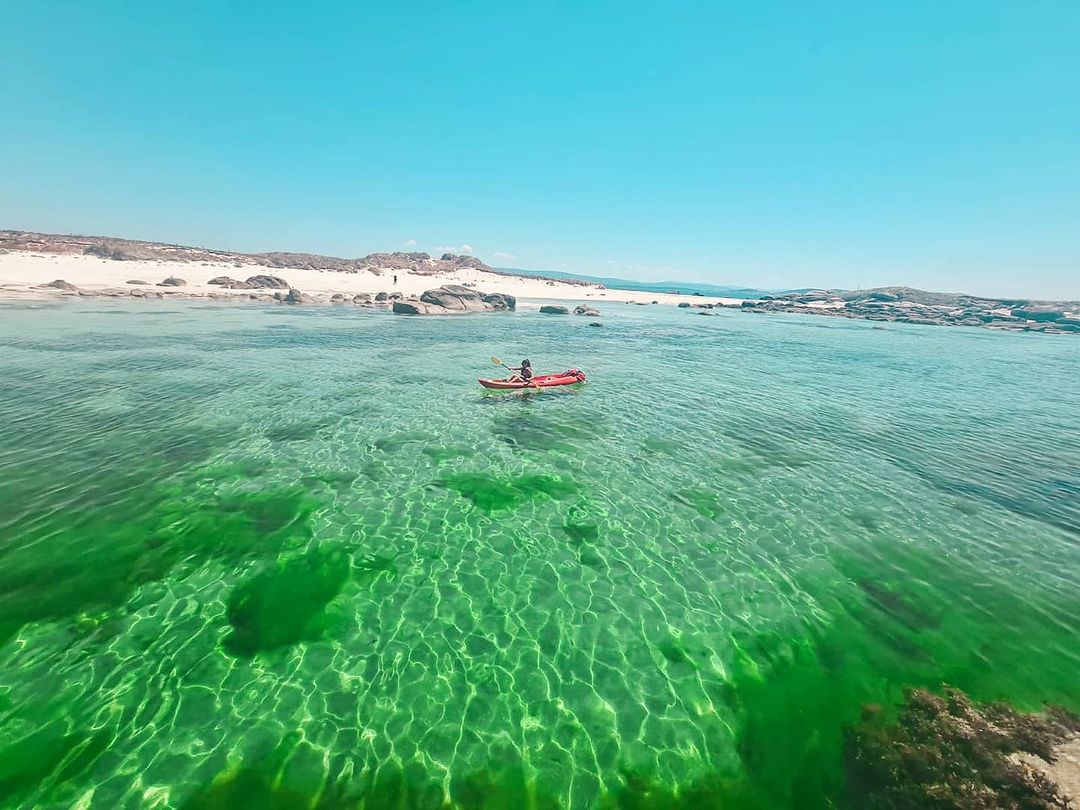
571	377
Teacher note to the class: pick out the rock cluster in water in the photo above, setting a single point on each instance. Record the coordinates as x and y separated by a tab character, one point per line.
452	299
907	305
947	751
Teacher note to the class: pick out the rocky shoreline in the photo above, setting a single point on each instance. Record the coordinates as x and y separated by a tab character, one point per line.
908	305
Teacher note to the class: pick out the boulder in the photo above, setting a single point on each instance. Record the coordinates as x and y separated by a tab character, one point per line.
581	309
454	296
60	284
554	309
172	281
414	307
138	281
394	296
501	301
381	296
684	305
337	298
294	296
271	282
595	323
361	298
223	281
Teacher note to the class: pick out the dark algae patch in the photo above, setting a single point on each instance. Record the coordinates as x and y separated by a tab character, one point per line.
53	750
493	494
703	501
285	603
946	751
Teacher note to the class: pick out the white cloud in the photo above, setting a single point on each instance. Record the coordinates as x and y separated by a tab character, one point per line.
503	256
409	243
463	250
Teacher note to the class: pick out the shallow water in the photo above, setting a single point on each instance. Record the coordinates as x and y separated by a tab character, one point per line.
269	557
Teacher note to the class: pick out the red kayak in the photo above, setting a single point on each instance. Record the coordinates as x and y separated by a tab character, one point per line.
571	377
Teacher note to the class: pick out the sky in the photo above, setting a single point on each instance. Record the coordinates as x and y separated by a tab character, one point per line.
770	144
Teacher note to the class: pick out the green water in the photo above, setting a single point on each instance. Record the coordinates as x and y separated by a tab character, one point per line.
293	558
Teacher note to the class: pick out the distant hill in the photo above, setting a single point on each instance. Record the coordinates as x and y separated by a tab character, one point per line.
107	247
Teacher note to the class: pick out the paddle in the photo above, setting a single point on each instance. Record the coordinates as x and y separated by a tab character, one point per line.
499	362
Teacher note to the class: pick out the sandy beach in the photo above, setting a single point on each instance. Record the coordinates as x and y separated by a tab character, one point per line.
23	273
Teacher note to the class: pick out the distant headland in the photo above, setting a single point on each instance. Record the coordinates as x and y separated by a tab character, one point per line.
39	264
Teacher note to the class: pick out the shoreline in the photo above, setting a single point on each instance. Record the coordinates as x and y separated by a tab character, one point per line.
23	273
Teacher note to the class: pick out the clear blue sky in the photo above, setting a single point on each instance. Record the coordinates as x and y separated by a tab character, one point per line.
775	144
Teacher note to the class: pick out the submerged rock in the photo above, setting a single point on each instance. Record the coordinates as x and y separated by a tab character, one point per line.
554	309
589	312
946	751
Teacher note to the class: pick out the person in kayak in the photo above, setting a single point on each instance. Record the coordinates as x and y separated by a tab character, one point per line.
522	373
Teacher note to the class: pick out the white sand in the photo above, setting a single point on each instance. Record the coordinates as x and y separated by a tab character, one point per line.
21	273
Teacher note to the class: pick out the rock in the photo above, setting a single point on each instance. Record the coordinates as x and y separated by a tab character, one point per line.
706	312
394	296
223	281
138	281
89	293
337	298
381	296
654	302
454	296
272	282
581	309
415	307
60	284
554	309
361	298
501	301
1040	315
595	323
294	296
684	305
172	281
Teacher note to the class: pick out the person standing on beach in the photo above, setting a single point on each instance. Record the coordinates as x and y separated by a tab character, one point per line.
395	278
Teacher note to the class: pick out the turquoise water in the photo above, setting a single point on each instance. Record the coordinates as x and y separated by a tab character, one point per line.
684	287
293	557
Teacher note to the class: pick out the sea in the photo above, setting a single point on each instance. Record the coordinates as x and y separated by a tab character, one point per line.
680	287
296	557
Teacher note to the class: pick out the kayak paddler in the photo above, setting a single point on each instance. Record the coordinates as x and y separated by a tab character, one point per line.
523	372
